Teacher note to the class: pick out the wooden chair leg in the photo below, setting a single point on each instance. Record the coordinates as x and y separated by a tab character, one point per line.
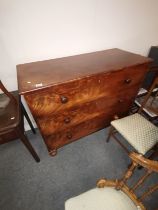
154	154
110	133
28	119
26	142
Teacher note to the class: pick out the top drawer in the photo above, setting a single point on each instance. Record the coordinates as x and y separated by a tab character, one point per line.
53	99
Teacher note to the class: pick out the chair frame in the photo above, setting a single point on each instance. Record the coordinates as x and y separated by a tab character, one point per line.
18	128
147	92
150	108
137	159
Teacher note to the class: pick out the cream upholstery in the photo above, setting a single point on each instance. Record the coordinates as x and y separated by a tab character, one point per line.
106	198
138	131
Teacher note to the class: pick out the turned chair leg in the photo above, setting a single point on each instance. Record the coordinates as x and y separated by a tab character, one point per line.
28	119
111	130
26	142
154	154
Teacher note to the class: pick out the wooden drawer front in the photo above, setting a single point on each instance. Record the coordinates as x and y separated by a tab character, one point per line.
84	112
4	138
66	136
64	96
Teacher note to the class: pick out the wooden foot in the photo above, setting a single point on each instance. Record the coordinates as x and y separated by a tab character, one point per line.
53	152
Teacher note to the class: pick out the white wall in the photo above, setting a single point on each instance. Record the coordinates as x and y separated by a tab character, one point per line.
32	30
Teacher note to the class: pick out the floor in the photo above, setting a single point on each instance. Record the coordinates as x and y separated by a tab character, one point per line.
27	185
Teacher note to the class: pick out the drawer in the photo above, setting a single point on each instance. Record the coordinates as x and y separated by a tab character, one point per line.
65	96
84	112
68	135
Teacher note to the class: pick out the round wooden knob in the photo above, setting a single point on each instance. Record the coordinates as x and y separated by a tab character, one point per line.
69	135
64	99
120	100
127	81
67	120
115	117
53	152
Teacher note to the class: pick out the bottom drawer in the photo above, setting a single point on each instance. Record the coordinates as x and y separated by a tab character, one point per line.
71	134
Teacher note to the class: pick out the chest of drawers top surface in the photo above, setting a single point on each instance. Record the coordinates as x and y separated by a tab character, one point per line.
41	74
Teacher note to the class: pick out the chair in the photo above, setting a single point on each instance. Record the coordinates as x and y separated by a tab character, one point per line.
153	53
11	119
144	90
150	102
136	129
117	194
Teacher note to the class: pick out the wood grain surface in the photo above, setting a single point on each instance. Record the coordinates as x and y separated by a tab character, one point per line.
74	96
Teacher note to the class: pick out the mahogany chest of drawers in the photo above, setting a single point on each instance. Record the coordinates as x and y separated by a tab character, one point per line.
74	96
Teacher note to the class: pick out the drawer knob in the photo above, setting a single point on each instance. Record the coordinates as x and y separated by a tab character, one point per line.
127	81
67	120
69	135
64	99
116	117
120	100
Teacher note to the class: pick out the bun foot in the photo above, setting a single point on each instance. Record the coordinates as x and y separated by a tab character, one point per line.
52	152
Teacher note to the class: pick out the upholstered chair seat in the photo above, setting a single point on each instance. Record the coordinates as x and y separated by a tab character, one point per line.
107	198
138	131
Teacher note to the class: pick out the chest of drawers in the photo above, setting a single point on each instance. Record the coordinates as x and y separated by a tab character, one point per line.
74	96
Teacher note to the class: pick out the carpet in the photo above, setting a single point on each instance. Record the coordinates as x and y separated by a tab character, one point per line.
27	185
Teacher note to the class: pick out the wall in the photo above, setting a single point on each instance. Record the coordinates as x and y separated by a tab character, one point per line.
41	29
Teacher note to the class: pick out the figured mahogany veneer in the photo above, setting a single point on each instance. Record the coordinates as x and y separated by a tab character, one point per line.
74	96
